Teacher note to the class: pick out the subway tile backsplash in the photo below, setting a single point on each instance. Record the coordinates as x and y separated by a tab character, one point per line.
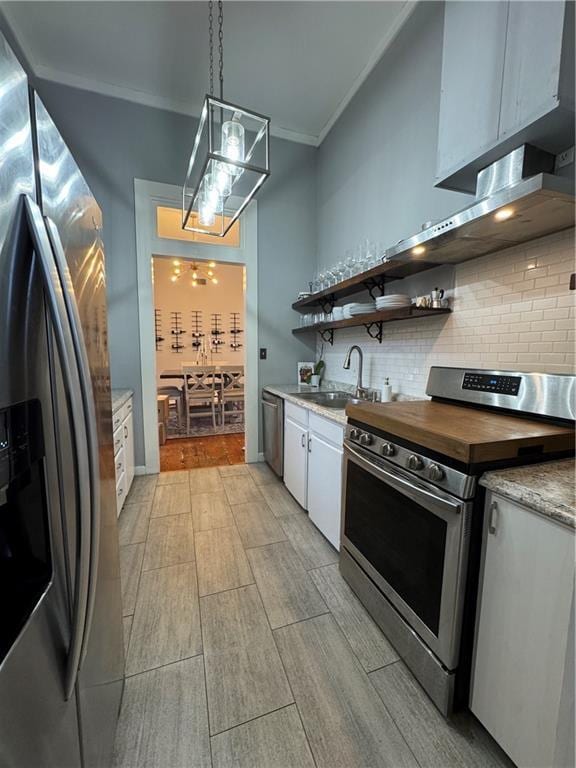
511	310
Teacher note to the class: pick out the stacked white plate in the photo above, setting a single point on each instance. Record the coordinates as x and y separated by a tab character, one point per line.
356	308
393	301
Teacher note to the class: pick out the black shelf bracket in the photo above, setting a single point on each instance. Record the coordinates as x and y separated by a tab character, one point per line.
327	335
327	303
375	330
373	284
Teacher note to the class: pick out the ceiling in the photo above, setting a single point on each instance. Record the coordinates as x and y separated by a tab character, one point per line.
298	62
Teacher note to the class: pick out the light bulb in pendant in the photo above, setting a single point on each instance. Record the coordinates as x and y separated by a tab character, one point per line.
233	143
224	179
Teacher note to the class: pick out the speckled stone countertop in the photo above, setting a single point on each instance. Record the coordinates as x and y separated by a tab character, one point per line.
546	488
289	392
119	397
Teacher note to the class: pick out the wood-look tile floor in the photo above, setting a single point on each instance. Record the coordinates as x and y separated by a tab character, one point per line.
246	649
210	451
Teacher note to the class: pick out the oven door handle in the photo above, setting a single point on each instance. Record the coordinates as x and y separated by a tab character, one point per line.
409	488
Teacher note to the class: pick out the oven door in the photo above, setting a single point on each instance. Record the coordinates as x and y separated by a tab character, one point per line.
412	540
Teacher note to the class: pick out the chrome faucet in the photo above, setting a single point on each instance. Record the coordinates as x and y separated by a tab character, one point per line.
360	391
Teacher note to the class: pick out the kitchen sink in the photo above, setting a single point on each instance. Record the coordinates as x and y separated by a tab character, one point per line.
328	399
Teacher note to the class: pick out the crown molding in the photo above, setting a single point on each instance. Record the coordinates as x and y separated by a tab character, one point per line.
147	99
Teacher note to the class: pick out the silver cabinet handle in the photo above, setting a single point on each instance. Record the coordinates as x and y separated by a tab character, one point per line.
493	517
303	441
54	292
309	445
89	411
119	466
125	431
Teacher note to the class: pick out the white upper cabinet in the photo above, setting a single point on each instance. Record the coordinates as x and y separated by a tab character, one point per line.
507	79
531	83
472	69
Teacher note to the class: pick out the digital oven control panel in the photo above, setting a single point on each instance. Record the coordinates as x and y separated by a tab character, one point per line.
499	385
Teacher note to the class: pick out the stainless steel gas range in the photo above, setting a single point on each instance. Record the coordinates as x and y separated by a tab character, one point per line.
413	509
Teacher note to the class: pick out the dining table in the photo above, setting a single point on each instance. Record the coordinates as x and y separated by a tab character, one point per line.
176	373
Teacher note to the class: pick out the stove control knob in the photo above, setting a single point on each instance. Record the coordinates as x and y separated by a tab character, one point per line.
435	472
355	434
388	449
365	439
414	462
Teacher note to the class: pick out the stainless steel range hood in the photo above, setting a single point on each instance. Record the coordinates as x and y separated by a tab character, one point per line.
516	201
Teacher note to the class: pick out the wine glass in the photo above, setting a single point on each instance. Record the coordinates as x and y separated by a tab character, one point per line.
349	262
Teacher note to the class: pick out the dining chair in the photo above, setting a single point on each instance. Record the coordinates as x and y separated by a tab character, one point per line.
200	382
231	391
175	400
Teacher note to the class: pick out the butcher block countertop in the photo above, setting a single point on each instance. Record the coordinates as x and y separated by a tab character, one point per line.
466	434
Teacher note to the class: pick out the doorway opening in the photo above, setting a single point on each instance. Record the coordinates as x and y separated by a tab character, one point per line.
199	325
160	238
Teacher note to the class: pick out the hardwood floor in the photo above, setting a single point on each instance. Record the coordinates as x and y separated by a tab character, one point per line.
193	452
246	649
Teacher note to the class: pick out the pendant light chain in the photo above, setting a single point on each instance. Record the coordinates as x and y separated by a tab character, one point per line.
221	45
211	44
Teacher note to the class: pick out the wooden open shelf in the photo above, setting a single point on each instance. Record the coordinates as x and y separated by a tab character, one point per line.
370	280
372	321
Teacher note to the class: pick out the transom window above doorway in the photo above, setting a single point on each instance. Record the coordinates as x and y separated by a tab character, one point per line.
169	225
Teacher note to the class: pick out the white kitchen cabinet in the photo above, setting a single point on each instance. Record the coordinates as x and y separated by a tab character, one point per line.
128	429
123	441
324	486
313	448
507	79
522	686
296	459
531	79
472	67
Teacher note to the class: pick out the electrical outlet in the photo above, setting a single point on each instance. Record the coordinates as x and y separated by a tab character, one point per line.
564	158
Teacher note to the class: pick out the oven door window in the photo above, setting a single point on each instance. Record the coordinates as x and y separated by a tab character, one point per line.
402	540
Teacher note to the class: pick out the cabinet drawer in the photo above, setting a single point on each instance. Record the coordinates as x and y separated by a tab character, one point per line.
119	463
120	492
116	419
296	413
326	428
118	439
122	413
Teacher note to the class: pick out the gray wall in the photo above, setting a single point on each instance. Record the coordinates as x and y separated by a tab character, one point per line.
376	166
115	141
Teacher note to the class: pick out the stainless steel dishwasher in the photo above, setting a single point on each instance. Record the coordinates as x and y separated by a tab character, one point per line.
273	431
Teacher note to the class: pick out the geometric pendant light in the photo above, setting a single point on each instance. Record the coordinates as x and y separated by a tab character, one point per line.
230	159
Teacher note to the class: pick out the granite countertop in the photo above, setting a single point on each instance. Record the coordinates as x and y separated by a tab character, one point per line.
545	488
289	391
119	397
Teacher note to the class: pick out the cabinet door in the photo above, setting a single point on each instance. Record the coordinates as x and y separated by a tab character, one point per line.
472	68
128	435
295	460
532	63
325	487
522	632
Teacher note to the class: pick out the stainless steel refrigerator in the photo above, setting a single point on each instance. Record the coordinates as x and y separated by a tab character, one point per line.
61	645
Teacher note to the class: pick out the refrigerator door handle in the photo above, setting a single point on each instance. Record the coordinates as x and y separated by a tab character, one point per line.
54	294
89	411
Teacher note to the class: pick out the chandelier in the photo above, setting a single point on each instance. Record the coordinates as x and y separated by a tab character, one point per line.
199	274
230	158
